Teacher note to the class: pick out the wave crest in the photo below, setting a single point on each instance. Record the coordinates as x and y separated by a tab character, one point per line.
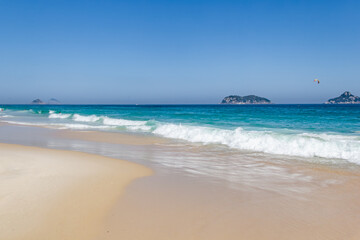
302	145
81	118
52	114
105	121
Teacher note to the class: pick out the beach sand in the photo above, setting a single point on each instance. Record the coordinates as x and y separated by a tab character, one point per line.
109	137
154	210
72	195
55	194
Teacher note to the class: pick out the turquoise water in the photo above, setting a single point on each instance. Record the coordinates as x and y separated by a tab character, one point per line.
325	131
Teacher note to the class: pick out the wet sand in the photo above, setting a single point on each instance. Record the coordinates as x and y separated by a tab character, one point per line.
181	208
55	194
109	137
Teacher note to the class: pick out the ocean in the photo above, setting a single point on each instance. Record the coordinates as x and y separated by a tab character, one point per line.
329	132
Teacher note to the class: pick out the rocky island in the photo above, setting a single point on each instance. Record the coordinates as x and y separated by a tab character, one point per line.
53	101
345	98
37	101
250	99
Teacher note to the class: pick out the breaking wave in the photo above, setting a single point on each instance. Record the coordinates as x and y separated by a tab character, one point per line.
301	145
52	114
80	118
103	120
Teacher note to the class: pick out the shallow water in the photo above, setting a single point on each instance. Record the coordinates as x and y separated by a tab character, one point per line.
329	132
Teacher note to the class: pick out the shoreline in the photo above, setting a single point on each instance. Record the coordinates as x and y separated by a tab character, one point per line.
111	137
59	194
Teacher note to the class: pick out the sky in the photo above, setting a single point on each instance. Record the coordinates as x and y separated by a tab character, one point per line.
178	52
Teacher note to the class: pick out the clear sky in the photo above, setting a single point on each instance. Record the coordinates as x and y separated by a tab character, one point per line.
178	51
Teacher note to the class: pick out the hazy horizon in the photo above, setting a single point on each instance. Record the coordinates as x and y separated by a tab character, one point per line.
46	101
179	52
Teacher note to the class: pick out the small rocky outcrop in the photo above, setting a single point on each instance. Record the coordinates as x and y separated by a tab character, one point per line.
251	99
53	101
345	98
37	101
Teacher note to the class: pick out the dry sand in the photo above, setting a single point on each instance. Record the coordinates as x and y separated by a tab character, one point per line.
53	194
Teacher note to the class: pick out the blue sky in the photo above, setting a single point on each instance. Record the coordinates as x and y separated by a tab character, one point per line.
178	51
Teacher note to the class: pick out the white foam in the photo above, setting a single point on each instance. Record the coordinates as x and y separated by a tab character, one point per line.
139	128
113	122
60	126
106	121
25	123
95	121
81	118
52	114
128	124
81	126
122	122
302	145
6	116
35	112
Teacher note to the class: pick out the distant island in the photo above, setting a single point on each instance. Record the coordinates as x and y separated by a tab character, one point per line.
250	99
37	101
345	98
51	101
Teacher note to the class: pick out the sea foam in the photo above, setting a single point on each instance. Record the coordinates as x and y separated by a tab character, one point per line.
81	126
302	145
80	118
105	121
52	114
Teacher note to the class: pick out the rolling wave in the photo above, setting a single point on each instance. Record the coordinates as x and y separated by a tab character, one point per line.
80	118
52	114
301	145
107	121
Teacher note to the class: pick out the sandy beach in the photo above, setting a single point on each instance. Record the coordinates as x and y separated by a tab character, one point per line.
179	120
114	138
53	194
61	194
